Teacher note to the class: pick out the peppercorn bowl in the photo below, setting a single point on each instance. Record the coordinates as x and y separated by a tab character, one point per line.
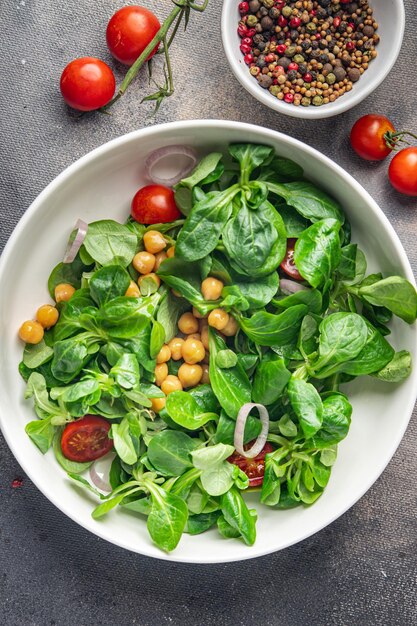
102	184
296	90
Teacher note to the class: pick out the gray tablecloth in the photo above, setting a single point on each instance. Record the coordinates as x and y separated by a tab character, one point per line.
360	570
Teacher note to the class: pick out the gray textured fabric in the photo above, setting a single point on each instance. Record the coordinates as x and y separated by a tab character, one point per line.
359	571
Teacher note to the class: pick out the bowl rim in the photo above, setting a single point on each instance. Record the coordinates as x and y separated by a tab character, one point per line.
243	128
343	104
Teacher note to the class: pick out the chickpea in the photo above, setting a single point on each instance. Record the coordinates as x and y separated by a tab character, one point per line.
193	351
205	337
205	379
188	324
164	354
31	332
190	375
63	292
161	256
154	241
151	276
144	262
194	336
161	373
47	315
175	345
171	252
231	327
197	314
176	293
211	288
158	404
170	384
132	291
218	319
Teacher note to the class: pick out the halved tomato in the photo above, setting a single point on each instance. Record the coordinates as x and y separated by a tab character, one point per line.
86	439
253	468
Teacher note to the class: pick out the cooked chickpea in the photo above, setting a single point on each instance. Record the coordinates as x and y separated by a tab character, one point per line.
158	404
175	345
154	241
144	262
161	256
47	315
132	291
197	314
161	372
231	327
170	384
205	337
171	252
211	288
63	292
188	324
205	379
190	375
218	319
193	351
176	293
147	277
194	336
31	332
164	354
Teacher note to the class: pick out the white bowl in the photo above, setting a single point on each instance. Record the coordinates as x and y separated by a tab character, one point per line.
101	185
390	16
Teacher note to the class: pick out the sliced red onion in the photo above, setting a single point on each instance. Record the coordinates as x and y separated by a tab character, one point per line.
155	157
290	286
75	245
240	430
99	472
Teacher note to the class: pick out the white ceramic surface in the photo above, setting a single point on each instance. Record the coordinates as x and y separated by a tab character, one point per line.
390	16
101	185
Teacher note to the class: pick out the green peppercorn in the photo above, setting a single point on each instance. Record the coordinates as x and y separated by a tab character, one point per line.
330	78
298	58
252	20
275	90
310	28
268	4
286	11
290	51
305	101
318	101
321	78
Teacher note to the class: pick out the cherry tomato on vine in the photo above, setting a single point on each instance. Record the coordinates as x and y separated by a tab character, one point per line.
253	468
403	171
288	264
87	84
129	31
86	439
367	137
154	204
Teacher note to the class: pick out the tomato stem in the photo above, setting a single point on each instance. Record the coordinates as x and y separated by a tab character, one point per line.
182	9
392	139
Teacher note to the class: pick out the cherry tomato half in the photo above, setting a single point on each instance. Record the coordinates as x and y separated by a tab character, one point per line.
86	439
403	171
288	264
253	468
154	204
367	137
129	31
87	84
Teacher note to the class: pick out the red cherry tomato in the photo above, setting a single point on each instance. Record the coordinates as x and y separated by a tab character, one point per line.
87	84
86	439
253	468
288	264
403	171
154	204
129	31
367	137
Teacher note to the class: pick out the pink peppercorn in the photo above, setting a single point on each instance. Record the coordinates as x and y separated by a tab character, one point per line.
350	45
307	77
293	66
248	58
247	41
289	97
336	21
243	8
282	21
295	22
281	48
245	49
242	30
269	58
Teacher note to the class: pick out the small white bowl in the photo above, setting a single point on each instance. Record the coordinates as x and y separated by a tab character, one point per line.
101	185
390	16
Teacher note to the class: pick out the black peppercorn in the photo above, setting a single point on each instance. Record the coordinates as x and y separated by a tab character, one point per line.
265	81
292	75
274	13
323	58
267	23
254	6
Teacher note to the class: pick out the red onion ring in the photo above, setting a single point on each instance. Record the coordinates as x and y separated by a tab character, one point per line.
240	430
290	286
153	159
74	246
99	472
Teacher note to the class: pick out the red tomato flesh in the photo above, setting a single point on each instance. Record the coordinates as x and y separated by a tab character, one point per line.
253	468
288	264
154	204
86	439
403	171
87	84
129	31
367	137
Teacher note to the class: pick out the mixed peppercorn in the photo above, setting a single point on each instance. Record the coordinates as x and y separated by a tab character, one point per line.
307	52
